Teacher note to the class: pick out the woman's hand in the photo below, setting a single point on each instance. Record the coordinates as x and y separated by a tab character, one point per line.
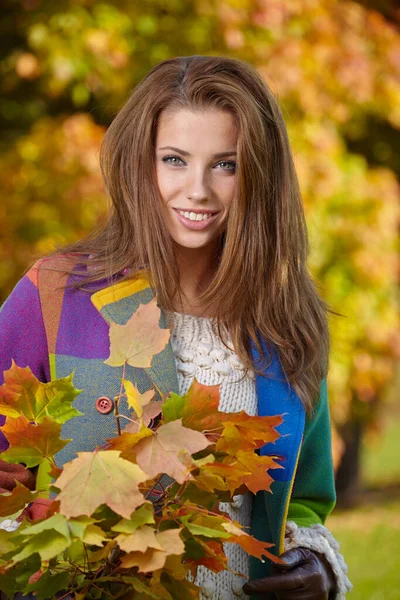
10	473
37	510
306	575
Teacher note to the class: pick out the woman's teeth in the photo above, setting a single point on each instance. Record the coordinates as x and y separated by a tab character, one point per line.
195	216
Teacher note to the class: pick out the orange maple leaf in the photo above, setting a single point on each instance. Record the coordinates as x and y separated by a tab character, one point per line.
252	546
18	498
200	410
31	443
251	470
244	432
215	559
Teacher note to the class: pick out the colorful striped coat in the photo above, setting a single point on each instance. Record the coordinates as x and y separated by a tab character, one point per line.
58	331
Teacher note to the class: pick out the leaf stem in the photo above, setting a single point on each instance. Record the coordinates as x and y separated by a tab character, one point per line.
116	399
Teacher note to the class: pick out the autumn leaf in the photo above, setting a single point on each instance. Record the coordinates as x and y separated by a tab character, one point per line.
160	452
140	587
135	399
189	591
215	558
47	544
217	476
200	409
11	502
144	515
56	523
172	408
23	394
48	537
144	537
48	584
150	412
253	470
147	561
85	529
153	559
174	565
205	525
6	545
100	477
249	544
103	553
31	443
126	443
139	339
245	432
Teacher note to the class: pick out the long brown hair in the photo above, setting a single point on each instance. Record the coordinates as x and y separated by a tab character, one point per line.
261	288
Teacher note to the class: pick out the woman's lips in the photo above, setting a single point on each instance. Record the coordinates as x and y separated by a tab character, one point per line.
195	225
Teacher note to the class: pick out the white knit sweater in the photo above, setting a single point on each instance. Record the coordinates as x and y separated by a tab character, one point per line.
200	353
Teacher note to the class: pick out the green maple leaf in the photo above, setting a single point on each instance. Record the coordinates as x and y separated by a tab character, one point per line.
57	523
48	544
144	515
16	579
31	443
206	525
6	545
140	587
172	408
179	590
23	394
49	584
48	538
206	531
84	529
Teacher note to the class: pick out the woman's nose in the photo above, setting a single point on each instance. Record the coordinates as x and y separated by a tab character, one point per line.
197	186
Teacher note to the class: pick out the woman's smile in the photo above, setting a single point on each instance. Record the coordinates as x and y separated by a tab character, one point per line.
195	219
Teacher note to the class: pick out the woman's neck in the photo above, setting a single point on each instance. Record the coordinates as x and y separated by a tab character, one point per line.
196	270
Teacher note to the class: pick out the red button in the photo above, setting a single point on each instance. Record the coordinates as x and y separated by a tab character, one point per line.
104	405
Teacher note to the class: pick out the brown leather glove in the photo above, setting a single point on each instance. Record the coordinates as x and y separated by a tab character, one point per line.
9	473
306	575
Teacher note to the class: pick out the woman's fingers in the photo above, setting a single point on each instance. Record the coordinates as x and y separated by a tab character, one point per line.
37	510
273	583
10	473
304	576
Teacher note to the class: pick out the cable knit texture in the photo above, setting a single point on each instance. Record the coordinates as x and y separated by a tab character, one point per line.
319	538
199	353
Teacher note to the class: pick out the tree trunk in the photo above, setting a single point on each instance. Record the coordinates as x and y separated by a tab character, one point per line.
348	476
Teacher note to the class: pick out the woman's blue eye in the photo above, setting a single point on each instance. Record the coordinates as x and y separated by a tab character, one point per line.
172	160
229	165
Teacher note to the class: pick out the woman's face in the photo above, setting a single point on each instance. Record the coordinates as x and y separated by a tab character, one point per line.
195	165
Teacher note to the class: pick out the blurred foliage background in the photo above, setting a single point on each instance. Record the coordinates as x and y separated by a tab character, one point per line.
68	66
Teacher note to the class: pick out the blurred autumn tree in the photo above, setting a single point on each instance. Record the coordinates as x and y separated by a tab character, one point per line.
335	67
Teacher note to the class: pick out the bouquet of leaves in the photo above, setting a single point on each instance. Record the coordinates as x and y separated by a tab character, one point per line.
137	516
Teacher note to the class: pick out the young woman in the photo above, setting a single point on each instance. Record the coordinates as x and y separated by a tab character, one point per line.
207	214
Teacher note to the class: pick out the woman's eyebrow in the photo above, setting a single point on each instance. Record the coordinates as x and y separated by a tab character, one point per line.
184	153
